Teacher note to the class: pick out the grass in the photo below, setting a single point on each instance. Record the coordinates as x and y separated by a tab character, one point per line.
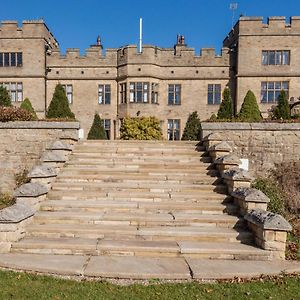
6	200
28	286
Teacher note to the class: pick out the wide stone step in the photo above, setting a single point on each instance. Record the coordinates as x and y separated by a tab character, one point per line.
210	197
79	246
116	232
136	187
134	207
137	219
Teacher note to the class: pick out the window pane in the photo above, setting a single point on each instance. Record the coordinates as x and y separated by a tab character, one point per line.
177	98
145	96
13	59
210	88
277	95
1	59
131	99
278	85
270	96
100	99
70	98
286	57
6	59
13	96
19	59
263	97
264	57
20	96
217	98
263	85
285	85
139	96
171	98
278	58
210	98
271	85
107	98
69	88
13	86
271	57
132	86
170	124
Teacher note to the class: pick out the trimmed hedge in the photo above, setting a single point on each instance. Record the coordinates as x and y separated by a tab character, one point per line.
4	97
226	106
250	111
97	131
192	128
59	105
26	104
12	113
144	128
282	110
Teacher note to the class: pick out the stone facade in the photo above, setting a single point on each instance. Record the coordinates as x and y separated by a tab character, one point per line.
239	66
264	144
22	144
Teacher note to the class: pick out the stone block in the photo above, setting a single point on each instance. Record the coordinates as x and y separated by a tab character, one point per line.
16	213
31	190
52	156
60	145
42	171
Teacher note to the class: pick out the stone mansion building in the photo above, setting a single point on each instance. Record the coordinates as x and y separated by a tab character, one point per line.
168	83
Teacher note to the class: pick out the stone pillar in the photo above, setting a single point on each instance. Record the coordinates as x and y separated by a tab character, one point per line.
247	199
227	162
31	194
235	178
219	150
270	231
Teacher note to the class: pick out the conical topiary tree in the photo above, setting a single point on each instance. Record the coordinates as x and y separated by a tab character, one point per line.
4	97
226	107
192	128
250	111
282	110
59	105
26	104
97	131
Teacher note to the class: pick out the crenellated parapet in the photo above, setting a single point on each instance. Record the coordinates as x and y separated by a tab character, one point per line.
250	26
179	56
30	29
93	57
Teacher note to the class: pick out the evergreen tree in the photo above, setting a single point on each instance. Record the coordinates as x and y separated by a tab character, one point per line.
282	110
250	111
192	128
59	106
97	131
26	104
4	97
226	107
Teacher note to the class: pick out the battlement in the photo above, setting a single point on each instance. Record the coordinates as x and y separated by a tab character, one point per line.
29	29
181	55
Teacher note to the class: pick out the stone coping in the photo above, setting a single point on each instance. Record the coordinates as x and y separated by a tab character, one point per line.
222	126
42	171
15	213
39	125
230	159
268	220
31	190
237	174
250	195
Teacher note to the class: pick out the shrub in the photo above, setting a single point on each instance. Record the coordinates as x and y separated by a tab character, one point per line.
14	114
144	128
4	97
59	105
192	128
26	104
250	111
273	191
21	178
226	107
6	200
97	131
282	110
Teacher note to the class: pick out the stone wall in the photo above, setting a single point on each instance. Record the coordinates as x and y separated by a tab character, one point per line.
264	144
22	144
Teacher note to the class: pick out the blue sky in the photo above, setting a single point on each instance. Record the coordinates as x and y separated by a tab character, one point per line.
76	24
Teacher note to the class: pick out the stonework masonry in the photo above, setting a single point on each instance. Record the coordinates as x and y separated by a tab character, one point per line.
155	70
264	144
22	144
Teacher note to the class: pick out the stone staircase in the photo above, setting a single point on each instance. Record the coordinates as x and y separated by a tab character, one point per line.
146	199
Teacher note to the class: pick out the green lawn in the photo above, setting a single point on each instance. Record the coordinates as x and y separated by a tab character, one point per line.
27	286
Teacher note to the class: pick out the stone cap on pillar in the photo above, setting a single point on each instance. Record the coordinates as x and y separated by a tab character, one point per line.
237	174
213	137
223	146
16	213
42	171
250	195
268	220
60	145
31	189
50	156
230	159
